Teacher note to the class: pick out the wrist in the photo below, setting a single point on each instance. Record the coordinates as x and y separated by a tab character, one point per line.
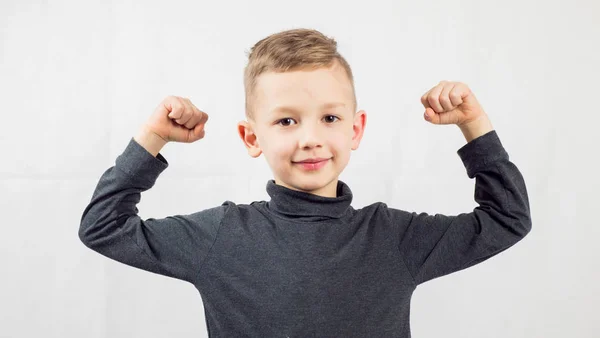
150	140
472	130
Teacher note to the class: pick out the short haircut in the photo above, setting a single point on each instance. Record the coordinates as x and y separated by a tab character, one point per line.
290	50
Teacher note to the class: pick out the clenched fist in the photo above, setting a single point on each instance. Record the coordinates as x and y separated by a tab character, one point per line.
451	103
176	119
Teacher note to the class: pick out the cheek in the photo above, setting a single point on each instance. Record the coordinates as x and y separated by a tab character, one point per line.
341	146
281	150
340	141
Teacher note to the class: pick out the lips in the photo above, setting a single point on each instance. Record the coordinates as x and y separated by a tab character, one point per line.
312	166
313	160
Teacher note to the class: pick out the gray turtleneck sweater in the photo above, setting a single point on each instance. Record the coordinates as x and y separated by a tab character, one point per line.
303	265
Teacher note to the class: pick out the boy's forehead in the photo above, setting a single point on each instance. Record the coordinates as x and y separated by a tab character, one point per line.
293	109
295	79
287	91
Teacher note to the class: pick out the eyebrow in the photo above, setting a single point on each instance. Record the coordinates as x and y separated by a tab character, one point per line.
281	109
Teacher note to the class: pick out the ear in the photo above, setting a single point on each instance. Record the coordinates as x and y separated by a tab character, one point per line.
246	132
360	122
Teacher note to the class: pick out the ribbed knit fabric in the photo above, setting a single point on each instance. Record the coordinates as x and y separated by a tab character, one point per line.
302	265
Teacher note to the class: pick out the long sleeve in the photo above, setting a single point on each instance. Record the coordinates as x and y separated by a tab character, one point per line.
436	245
174	246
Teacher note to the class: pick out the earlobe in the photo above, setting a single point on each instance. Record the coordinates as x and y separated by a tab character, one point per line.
249	138
254	152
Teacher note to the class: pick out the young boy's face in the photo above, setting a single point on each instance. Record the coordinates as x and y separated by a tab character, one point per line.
301	115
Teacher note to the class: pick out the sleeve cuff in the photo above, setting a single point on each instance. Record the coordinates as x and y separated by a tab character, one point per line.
482	151
137	162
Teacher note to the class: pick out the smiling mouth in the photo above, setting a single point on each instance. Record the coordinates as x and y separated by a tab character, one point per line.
313	162
312	165
316	160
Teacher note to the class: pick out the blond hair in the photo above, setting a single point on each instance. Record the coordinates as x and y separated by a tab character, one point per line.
289	50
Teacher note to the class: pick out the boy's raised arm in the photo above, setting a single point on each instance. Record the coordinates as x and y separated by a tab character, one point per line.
174	246
436	245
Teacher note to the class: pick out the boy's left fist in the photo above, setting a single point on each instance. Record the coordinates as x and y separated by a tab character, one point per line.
451	103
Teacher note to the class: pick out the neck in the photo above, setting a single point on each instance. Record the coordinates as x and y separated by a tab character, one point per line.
329	190
303	205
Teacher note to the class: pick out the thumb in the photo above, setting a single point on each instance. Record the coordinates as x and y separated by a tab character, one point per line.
431	116
197	133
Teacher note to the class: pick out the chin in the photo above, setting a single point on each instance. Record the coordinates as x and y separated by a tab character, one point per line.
313	182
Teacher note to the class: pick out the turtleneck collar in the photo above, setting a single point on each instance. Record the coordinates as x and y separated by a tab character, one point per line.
309	207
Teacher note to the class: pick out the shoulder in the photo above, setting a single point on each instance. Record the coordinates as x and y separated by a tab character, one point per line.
242	211
393	215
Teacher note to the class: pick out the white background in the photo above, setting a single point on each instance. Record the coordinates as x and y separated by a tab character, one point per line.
78	78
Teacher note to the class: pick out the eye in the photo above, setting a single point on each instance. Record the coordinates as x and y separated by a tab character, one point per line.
289	118
335	117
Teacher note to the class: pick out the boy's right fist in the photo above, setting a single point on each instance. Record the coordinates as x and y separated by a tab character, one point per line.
176	119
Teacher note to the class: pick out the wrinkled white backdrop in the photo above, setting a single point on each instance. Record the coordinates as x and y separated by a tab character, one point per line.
77	79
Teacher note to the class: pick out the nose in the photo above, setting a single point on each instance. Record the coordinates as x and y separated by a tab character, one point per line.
310	136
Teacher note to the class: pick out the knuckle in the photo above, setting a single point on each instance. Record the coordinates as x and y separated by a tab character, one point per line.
189	103
171	99
177	106
180	113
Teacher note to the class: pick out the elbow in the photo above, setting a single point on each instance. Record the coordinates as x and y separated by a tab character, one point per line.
522	227
96	234
526	224
525	221
91	233
517	227
83	234
86	226
520	221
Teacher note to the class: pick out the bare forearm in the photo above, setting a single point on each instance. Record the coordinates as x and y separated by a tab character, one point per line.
150	141
474	129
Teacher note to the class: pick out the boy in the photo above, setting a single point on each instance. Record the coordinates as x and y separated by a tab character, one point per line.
306	263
